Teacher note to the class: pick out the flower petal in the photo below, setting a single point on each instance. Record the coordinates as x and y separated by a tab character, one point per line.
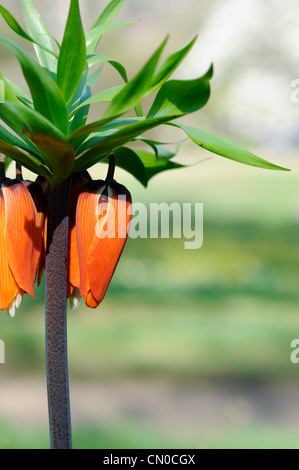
86	220
77	184
109	240
23	237
9	289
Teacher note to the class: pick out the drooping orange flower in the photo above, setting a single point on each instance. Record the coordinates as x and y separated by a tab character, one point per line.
102	222
20	244
73	275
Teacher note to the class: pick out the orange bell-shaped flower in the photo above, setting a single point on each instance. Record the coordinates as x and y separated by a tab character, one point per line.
73	276
20	244
102	222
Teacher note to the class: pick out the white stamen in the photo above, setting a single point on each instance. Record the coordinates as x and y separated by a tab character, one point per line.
16	302
19	299
12	309
74	299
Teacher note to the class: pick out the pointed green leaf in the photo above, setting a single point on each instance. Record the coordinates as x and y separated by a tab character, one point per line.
14	25
107	15
8	118
108	129
25	159
154	166
11	139
72	56
160	150
8	93
82	112
18	92
76	99
46	95
116	140
53	147
94	35
225	148
7	162
128	160
39	33
166	69
135	88
101	125
181	96
101	97
98	59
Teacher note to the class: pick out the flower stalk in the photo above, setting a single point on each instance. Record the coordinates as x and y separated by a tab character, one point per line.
56	316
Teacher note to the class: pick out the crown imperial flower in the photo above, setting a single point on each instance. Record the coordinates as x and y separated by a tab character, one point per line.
102	223
20	243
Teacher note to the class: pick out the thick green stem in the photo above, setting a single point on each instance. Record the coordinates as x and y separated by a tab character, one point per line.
56	316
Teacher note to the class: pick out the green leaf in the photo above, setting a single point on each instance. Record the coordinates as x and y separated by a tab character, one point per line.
135	88
11	139
18	92
142	165
8	118
28	161
166	69
7	91
118	139
181	96
14	25
93	77
7	162
128	160
107	129
103	96
72	56
160	150
39	33
225	148
98	59
82	112
94	35
154	166
101	125
76	99
46	95
53	147
107	15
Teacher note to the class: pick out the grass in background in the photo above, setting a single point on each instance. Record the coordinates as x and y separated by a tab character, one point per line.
225	312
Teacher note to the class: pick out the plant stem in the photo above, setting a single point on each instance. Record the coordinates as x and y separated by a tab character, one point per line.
56	316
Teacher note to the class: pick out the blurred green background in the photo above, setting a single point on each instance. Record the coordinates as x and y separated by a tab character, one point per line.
190	348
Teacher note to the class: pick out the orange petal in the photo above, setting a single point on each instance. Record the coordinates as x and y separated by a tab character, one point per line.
23	235
9	289
86	220
109	239
90	301
39	199
78	181
43	183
